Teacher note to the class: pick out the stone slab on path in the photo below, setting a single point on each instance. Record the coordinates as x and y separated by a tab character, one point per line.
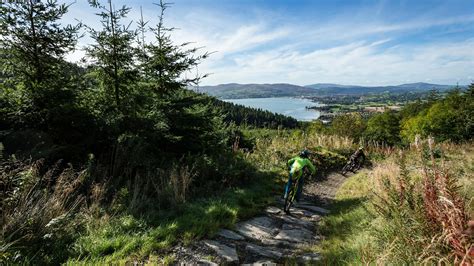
261	263
230	234
279	243
204	262
273	210
303	212
223	251
314	208
297	235
304	202
257	228
264	251
297	221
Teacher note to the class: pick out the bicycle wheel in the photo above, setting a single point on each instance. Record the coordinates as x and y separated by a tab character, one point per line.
289	199
356	167
353	167
345	169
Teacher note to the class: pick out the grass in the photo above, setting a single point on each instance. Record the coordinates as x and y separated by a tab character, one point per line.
106	232
126	238
381	216
347	227
130	239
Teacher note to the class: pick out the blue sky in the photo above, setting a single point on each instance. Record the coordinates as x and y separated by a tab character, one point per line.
305	42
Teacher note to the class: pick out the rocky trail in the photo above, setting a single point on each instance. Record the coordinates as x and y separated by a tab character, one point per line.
270	238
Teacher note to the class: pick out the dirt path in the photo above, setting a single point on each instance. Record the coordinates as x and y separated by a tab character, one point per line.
273	237
323	192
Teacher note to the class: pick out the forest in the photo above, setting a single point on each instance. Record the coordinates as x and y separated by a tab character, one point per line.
115	160
98	133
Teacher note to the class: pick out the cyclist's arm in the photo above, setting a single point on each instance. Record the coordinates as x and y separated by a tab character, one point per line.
311	167
290	162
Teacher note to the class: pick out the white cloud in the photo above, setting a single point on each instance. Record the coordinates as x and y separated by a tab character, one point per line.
350	50
232	40
355	63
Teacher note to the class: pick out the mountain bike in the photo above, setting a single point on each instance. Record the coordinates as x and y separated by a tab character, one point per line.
291	196
351	165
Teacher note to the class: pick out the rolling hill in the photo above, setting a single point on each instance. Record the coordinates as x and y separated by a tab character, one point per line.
239	91
324	88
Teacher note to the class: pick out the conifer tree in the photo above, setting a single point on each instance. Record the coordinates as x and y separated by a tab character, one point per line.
33	45
167	63
193	124
112	54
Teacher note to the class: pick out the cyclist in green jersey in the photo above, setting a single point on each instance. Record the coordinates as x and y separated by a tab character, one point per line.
297	166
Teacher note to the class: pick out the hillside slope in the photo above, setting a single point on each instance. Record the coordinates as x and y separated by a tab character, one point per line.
239	91
323	88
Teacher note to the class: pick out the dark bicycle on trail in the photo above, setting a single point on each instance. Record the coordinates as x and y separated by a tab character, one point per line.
351	166
355	162
292	192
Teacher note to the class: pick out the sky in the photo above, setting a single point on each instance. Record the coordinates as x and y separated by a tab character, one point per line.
358	42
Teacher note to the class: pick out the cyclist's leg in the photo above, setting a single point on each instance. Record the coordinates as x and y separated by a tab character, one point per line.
300	188
288	185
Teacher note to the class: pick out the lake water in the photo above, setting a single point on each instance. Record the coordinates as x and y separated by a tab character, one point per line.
294	107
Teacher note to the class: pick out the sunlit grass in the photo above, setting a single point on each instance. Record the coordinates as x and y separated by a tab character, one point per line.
347	227
356	233
128	238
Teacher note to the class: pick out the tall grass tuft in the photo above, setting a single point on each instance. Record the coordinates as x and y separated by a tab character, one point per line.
424	214
445	211
37	216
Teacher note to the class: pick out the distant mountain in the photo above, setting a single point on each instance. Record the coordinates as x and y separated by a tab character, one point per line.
326	89
330	85
239	91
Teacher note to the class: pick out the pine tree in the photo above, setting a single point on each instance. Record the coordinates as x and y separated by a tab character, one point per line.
112	54
33	45
167	64
192	122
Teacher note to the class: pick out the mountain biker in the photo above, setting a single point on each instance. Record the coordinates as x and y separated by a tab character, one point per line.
358	157
297	165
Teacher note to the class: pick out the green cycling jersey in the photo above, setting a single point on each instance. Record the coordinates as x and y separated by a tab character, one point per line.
297	165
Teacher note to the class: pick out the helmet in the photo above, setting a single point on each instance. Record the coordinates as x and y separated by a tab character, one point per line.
305	154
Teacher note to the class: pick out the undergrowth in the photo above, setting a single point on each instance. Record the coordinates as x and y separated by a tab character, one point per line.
140	215
411	208
125	237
